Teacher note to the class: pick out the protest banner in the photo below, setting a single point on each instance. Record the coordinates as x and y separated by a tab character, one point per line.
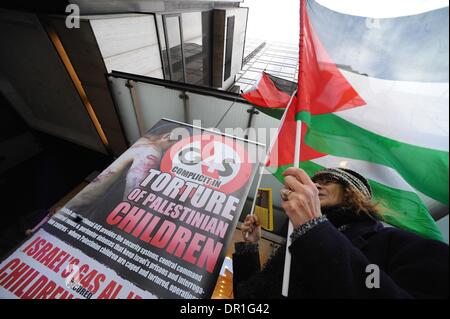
155	224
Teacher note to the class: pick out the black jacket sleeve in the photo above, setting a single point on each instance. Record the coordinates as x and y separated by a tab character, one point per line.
250	282
333	267
245	266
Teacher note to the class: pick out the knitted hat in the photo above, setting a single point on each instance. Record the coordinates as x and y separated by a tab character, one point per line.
347	177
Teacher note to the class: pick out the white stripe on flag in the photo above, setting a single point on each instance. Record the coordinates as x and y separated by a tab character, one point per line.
416	113
378	173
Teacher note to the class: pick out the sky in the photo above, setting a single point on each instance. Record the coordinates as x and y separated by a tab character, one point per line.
279	21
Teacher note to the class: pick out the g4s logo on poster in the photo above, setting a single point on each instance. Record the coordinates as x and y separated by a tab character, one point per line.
212	160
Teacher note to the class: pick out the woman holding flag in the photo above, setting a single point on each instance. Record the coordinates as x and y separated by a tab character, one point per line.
339	247
355	103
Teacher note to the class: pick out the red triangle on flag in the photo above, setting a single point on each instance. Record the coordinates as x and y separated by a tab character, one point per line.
282	152
322	88
266	94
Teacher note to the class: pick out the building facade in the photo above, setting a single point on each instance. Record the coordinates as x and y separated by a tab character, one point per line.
193	42
278	59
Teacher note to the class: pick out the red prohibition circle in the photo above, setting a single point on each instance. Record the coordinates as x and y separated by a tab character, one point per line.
236	183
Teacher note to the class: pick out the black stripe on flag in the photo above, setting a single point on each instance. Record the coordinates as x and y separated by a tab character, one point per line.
283	85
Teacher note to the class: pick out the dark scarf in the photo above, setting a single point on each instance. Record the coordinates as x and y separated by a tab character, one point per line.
341	216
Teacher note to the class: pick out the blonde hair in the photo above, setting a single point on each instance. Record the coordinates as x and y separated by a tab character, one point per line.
360	204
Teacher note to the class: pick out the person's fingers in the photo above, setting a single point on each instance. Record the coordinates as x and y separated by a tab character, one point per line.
248	224
255	220
252	219
284	193
247	228
300	175
292	183
248	218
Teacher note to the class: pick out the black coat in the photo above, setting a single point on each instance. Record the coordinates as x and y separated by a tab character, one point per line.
329	264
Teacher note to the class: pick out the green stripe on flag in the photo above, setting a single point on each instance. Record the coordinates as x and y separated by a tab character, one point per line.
424	169
405	210
399	208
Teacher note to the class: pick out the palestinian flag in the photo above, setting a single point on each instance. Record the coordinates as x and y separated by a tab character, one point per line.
373	96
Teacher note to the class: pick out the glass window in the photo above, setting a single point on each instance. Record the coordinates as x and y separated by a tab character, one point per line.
279	60
229	47
272	67
259	65
288	70
252	75
173	39
162	41
290	62
197	46
188	37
